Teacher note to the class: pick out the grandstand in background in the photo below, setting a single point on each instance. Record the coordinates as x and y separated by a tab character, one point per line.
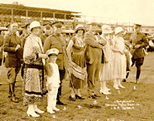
23	14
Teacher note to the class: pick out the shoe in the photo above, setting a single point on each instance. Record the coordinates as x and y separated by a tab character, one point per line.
105	93
124	80
71	98
137	81
108	89
60	103
55	109
92	96
13	99
79	97
38	110
116	87
49	110
121	86
32	114
96	95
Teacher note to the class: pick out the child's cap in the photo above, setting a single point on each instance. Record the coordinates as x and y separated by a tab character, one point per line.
52	51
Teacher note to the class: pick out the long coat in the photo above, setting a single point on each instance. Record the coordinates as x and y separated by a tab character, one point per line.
58	42
11	41
138	39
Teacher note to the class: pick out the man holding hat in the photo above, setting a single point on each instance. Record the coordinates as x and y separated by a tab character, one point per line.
57	41
12	46
93	57
139	42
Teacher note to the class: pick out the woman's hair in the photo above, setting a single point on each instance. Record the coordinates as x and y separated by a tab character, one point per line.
80	29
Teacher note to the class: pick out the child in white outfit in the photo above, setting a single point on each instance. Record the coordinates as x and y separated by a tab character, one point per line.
53	79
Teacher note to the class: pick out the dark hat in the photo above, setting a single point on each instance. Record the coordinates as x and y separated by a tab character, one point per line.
138	25
58	24
8	25
25	26
94	23
47	25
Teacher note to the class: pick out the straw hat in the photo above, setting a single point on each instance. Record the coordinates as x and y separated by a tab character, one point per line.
106	29
79	27
118	30
34	24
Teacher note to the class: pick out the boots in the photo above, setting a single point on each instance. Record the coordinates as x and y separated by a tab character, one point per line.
31	112
11	93
37	110
119	83
115	84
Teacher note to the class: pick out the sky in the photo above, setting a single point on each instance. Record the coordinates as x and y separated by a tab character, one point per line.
129	11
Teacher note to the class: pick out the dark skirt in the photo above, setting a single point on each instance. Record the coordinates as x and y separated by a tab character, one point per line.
79	59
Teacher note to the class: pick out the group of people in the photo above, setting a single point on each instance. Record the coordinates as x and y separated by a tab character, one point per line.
46	60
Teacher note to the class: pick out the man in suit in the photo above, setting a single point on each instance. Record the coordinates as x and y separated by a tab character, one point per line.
94	58
139	42
57	41
12	46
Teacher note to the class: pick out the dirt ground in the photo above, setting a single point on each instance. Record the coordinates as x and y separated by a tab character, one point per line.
134	103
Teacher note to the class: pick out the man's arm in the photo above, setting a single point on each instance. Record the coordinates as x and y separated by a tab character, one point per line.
47	44
90	41
6	45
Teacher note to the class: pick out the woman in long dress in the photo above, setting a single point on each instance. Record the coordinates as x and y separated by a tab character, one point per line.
76	52
33	73
119	61
106	67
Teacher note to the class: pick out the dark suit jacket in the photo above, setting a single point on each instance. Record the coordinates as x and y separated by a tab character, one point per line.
93	47
138	39
11	41
58	42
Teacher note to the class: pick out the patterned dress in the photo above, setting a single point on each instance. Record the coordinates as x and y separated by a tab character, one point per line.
33	77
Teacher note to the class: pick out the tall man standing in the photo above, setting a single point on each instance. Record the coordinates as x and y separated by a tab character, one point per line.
57	41
12	46
139	42
94	58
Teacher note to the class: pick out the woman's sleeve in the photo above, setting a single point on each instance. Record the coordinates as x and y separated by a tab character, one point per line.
68	49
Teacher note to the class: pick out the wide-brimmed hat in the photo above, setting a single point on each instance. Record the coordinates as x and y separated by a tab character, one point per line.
52	51
79	27
106	29
118	30
34	24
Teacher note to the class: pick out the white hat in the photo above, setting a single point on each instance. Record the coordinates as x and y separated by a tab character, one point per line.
52	51
118	29
106	29
34	24
79	27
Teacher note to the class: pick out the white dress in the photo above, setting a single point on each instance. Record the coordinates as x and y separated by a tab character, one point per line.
107	67
119	60
55	78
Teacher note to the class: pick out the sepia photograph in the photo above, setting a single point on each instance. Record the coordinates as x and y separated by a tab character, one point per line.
76	60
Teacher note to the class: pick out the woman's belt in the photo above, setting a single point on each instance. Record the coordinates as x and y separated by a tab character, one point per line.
33	66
